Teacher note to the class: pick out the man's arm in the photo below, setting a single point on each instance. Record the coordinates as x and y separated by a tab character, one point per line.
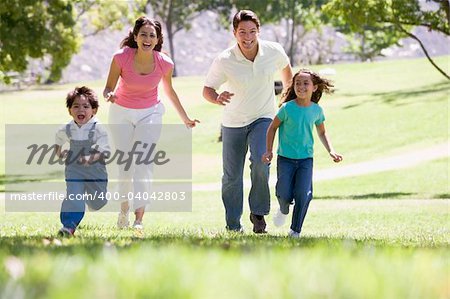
286	76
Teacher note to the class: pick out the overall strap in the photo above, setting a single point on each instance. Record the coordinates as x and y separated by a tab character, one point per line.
92	132
68	133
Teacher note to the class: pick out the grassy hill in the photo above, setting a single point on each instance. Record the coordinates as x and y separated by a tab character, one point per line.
379	109
354	244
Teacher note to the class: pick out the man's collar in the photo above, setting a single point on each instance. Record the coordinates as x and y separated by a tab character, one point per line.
238	53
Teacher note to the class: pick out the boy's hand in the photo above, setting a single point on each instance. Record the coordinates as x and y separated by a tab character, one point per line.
89	159
267	157
63	154
84	160
336	157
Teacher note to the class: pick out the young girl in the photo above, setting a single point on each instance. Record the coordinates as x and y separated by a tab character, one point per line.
137	108
86	176
296	118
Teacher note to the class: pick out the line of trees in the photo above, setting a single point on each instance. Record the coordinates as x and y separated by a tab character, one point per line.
55	28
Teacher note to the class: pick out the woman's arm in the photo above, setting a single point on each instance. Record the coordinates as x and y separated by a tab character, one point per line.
111	82
327	143
173	97
270	136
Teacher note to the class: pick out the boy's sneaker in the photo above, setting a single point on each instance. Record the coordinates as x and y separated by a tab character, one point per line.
66	232
279	218
122	221
138	225
293	234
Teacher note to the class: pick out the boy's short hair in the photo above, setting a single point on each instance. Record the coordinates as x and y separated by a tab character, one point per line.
245	15
84	91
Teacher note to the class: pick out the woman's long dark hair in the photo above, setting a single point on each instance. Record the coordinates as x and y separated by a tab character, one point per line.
323	85
141	21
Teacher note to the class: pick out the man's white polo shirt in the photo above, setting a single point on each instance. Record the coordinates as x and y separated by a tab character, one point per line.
251	82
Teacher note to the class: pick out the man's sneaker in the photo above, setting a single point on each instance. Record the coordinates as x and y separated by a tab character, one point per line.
259	224
138	225
293	234
66	232
279	218
122	221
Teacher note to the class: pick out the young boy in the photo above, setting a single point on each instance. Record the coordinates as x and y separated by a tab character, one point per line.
85	172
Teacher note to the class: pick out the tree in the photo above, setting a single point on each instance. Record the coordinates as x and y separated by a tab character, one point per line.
174	14
50	28
367	41
33	29
296	12
393	18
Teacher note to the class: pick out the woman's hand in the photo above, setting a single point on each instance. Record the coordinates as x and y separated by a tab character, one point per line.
110	97
191	123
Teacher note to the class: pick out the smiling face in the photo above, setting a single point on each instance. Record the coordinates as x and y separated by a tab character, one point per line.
146	38
246	35
304	86
81	110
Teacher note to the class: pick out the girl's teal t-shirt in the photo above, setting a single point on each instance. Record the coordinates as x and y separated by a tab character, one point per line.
295	137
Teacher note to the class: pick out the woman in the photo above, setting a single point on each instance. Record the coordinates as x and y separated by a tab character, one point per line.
136	106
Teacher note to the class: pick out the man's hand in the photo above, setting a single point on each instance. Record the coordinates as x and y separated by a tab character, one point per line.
224	98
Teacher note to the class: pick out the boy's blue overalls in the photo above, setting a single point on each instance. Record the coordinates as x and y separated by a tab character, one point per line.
82	180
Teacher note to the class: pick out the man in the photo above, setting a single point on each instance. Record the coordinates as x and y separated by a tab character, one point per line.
248	68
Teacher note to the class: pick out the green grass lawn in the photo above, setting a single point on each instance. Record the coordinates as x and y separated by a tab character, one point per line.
380	235
349	249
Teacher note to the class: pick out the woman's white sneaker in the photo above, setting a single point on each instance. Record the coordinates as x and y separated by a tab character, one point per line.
122	220
279	218
138	225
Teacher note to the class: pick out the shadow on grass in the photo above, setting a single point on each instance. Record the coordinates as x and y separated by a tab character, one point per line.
386	195
22	178
394	97
233	242
442	196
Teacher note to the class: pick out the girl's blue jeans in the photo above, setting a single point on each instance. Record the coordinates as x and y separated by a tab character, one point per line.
236	142
294	183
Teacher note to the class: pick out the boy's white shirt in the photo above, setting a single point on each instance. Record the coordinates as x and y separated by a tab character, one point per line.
251	82
101	142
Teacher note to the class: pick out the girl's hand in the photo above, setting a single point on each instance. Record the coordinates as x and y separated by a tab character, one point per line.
267	157
336	157
110	97
191	123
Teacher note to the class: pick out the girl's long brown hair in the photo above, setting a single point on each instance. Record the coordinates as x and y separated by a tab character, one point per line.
323	85
141	21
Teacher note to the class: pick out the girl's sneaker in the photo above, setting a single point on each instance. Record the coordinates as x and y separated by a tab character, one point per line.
293	234
279	218
66	232
122	221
